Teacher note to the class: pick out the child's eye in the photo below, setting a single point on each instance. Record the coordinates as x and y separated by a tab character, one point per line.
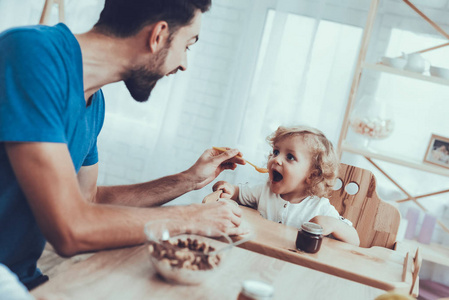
290	157
275	152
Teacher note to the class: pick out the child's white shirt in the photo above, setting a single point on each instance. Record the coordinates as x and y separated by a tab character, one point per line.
272	207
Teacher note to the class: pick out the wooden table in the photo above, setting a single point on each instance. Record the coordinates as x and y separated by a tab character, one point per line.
127	274
378	267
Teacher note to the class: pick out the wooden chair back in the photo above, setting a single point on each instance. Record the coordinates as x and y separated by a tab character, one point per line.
376	221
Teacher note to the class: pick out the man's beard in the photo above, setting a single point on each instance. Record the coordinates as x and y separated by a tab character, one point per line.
142	80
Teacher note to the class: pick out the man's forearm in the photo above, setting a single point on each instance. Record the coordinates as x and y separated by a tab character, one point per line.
108	226
92	227
147	194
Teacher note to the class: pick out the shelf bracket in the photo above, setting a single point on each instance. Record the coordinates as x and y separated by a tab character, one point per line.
358	72
45	16
432	23
423	196
414	199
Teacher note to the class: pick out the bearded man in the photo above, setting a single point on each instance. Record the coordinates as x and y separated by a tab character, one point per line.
51	112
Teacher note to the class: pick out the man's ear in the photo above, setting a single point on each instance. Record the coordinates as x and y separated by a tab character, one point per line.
158	36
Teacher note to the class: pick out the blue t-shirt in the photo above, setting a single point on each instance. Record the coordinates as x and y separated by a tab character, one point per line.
41	100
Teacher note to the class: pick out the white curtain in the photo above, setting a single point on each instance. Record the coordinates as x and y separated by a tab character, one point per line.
260	64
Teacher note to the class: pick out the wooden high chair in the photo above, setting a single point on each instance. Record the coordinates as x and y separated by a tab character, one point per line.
376	221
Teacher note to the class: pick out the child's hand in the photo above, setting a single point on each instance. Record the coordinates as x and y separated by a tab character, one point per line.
339	229
328	223
229	190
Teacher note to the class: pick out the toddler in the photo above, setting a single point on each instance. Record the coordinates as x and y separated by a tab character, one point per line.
302	169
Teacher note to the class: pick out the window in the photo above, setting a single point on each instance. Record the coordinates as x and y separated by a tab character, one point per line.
303	73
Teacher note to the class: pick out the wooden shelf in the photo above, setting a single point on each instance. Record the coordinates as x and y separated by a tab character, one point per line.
415	164
404	73
371	155
435	253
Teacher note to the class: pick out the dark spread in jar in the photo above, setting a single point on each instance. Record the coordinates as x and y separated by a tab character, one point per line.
309	237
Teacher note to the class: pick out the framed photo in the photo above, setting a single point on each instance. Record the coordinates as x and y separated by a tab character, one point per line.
438	151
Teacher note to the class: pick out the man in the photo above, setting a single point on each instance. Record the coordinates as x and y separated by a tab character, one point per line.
51	111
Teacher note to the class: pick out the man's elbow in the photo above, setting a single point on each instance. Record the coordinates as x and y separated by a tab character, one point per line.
66	242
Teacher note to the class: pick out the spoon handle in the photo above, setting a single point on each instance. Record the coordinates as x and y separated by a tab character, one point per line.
223	150
258	169
249	237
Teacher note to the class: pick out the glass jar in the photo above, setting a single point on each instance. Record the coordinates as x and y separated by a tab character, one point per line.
372	118
309	237
256	290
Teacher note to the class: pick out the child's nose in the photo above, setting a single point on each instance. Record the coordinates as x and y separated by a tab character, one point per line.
278	160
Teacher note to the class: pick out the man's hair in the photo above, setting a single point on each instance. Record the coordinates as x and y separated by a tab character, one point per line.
125	18
324	164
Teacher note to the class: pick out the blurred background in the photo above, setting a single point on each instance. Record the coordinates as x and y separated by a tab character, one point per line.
260	64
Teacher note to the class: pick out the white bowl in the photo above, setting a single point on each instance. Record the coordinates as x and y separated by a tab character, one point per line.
180	256
439	72
395	62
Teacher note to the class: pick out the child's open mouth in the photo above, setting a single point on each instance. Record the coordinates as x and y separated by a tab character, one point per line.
277	176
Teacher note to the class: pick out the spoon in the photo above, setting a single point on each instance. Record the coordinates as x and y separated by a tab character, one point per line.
249	237
258	169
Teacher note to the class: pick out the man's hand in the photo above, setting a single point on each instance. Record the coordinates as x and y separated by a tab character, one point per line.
211	163
219	215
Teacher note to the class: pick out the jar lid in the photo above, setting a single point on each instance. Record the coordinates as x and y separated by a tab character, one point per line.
312	228
257	289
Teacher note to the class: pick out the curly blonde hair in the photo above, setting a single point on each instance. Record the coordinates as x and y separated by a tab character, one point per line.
324	164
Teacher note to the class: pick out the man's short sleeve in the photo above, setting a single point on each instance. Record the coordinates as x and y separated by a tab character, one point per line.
98	120
32	85
92	157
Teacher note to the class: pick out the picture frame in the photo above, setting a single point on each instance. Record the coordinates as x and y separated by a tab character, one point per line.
438	151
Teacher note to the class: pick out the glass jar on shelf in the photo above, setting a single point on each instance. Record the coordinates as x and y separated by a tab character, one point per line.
372	118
